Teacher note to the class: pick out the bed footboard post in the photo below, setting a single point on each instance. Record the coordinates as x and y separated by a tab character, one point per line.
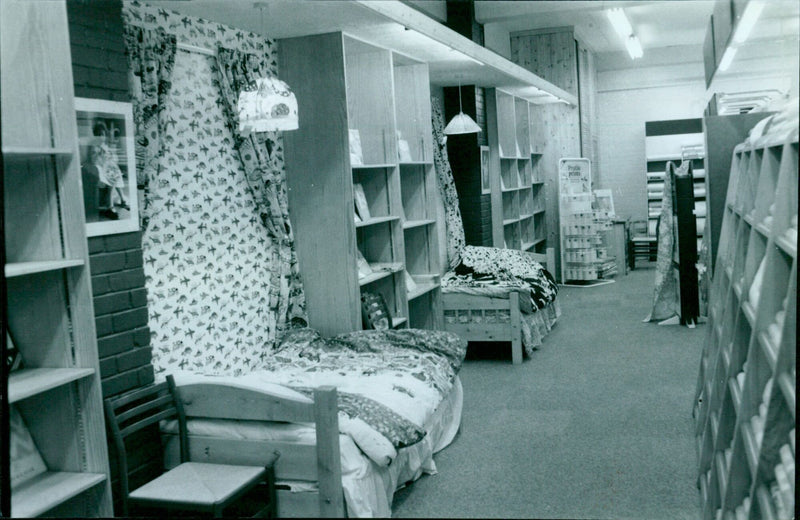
516	328
551	260
326	416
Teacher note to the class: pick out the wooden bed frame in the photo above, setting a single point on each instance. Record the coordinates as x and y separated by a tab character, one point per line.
316	462
472	306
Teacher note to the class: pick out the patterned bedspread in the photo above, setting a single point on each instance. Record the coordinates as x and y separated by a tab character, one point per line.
492	271
391	380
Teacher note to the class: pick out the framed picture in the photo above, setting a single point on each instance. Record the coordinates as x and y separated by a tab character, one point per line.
108	166
485	188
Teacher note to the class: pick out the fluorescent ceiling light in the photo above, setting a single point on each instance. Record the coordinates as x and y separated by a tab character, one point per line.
620	22
727	58
748	20
623	27
634	47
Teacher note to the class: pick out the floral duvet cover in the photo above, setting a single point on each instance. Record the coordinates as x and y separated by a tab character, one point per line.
492	271
389	381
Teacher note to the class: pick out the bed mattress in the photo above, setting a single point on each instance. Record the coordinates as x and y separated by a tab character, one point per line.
368	486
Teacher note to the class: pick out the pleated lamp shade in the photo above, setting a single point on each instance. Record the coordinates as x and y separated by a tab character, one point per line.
267	106
461	124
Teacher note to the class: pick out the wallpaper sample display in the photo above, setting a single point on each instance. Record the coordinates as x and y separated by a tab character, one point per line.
207	253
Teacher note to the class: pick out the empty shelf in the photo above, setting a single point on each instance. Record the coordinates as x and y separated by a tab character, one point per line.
44	492
32	381
24	268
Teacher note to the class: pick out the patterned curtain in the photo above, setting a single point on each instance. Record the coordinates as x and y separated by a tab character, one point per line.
151	58
261	155
447	188
665	298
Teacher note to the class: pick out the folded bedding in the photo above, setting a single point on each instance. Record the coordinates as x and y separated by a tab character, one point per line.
492	271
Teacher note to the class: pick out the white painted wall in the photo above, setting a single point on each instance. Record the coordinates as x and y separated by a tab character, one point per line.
665	88
496	38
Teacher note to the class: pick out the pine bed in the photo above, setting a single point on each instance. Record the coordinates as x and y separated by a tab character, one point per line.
331	464
497	312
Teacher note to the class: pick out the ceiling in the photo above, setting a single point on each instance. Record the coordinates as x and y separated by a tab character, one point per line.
671	31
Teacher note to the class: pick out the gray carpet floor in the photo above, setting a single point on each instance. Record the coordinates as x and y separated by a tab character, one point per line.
597	424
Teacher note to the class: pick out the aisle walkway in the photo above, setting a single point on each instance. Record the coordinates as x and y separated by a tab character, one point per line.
596	425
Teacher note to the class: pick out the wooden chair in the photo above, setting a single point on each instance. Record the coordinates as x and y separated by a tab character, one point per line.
194	487
640	244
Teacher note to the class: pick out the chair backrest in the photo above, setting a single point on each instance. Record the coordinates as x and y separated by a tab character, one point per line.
638	228
137	410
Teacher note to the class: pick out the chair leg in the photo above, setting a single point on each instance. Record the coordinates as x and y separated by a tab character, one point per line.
271	495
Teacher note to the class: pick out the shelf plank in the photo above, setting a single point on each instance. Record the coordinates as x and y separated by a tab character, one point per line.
509	221
525	216
421	289
396	322
46	491
750	449
25	268
770	350
749	310
377	166
761	228
408	224
35	152
415	163
376	220
722	474
538	211
32	381
380	270
789	392
736	394
786	245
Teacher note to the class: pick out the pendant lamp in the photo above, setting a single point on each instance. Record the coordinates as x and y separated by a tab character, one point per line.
266	104
461	123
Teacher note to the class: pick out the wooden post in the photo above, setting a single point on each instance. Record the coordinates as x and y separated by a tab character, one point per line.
326	417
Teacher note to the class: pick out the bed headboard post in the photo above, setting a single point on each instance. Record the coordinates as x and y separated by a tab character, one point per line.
326	417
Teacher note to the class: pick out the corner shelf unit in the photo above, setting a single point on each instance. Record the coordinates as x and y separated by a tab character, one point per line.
674	140
745	396
46	273
516	180
343	83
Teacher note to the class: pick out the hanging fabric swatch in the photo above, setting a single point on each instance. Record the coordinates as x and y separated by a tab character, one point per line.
447	188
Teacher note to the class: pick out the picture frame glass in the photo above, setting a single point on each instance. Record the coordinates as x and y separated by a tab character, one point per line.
484	156
108	166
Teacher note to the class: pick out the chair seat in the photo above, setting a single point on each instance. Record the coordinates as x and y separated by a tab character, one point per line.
199	484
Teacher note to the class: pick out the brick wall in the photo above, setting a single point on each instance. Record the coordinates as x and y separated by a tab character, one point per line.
99	70
463	151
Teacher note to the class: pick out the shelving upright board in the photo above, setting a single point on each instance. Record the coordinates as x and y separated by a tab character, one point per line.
674	140
57	391
517	186
746	394
344	84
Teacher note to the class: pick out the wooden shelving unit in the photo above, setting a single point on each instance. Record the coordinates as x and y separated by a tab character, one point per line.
386	97
745	406
49	298
517	193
